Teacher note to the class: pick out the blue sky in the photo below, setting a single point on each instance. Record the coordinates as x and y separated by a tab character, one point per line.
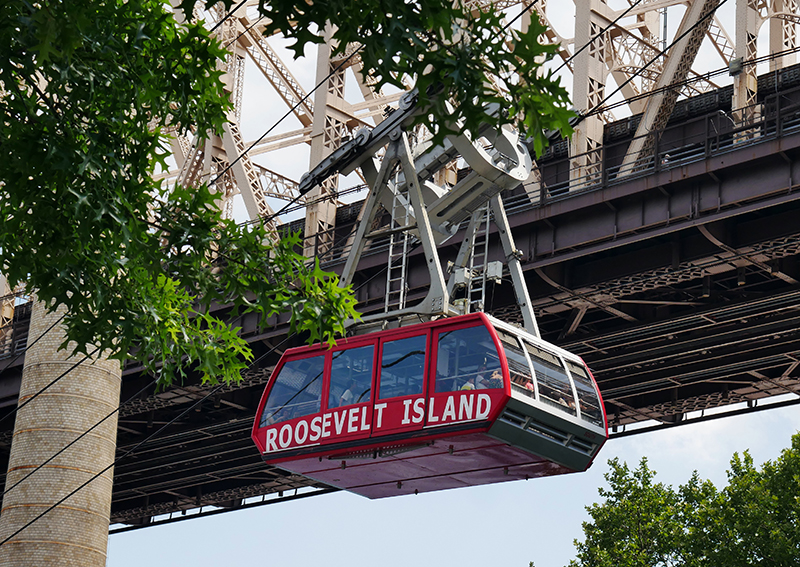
506	525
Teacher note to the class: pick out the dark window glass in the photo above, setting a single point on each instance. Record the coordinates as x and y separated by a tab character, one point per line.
554	385
517	363
587	396
351	376
467	359
297	391
402	367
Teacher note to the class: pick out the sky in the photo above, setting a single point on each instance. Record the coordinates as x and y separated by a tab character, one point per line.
508	524
503	525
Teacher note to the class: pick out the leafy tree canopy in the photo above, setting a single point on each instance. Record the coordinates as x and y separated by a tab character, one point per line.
461	49
88	89
753	521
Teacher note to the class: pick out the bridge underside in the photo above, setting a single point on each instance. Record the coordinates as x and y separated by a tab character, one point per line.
677	283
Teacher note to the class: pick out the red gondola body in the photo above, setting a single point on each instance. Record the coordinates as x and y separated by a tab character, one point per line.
456	402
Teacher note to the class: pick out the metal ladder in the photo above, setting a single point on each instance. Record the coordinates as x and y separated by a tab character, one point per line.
399	247
476	292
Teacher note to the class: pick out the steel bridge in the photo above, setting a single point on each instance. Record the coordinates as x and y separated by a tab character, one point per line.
675	277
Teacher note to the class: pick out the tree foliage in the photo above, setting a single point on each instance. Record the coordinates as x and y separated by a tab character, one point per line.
88	89
455	53
753	521
637	525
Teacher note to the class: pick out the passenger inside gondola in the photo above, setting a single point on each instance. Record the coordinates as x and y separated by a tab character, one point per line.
493	380
554	384
349	395
517	363
351	376
467	360
525	384
587	396
468	385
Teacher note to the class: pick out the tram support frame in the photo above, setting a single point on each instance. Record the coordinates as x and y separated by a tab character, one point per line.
504	164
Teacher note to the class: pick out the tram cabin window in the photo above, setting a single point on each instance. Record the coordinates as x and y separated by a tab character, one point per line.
552	378
517	363
402	367
587	395
466	359
297	391
351	376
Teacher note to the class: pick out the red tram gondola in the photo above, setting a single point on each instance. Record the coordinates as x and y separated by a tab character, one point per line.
455	402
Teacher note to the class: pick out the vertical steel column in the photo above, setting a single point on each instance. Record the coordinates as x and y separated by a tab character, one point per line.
745	83
514	266
783	33
588	89
533	185
326	135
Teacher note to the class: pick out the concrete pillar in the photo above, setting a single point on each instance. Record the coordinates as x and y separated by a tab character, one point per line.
76	532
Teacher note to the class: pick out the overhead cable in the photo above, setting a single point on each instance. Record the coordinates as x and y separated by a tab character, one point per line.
127	453
705	76
107	468
78	438
228	15
599	35
599	107
37	394
28	346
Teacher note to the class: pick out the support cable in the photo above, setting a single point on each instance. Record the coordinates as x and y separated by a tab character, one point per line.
705	76
81	436
518	16
228	15
127	453
28	346
109	467
599	106
36	395
598	36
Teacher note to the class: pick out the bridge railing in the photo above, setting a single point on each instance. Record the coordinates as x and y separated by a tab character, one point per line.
693	140
677	145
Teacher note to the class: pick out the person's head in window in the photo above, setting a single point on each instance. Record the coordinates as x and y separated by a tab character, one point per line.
493	380
349	395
